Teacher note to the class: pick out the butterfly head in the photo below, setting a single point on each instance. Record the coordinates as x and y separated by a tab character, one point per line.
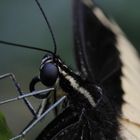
49	70
49	73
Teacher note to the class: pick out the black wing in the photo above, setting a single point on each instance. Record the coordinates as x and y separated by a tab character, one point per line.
106	57
70	125
66	118
96	52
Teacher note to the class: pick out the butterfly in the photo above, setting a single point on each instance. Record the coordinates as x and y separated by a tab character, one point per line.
104	57
99	98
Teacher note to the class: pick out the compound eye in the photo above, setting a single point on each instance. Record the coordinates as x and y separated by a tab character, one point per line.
49	74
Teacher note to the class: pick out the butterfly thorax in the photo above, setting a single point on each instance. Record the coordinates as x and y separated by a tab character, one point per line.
80	92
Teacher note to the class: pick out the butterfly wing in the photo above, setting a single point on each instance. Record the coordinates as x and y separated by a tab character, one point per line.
97	56
105	56
66	118
75	131
94	44
72	126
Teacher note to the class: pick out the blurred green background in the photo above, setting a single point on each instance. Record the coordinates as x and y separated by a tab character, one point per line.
21	22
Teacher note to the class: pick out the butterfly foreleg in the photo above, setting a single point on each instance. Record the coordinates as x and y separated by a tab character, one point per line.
18	89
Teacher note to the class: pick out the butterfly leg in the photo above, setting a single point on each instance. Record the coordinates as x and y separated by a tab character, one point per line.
55	98
38	119
23	95
18	89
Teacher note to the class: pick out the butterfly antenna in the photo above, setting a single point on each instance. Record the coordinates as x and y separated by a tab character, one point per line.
49	26
23	46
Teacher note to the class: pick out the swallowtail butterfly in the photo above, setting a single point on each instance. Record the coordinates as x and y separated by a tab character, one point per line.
104	57
101	100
